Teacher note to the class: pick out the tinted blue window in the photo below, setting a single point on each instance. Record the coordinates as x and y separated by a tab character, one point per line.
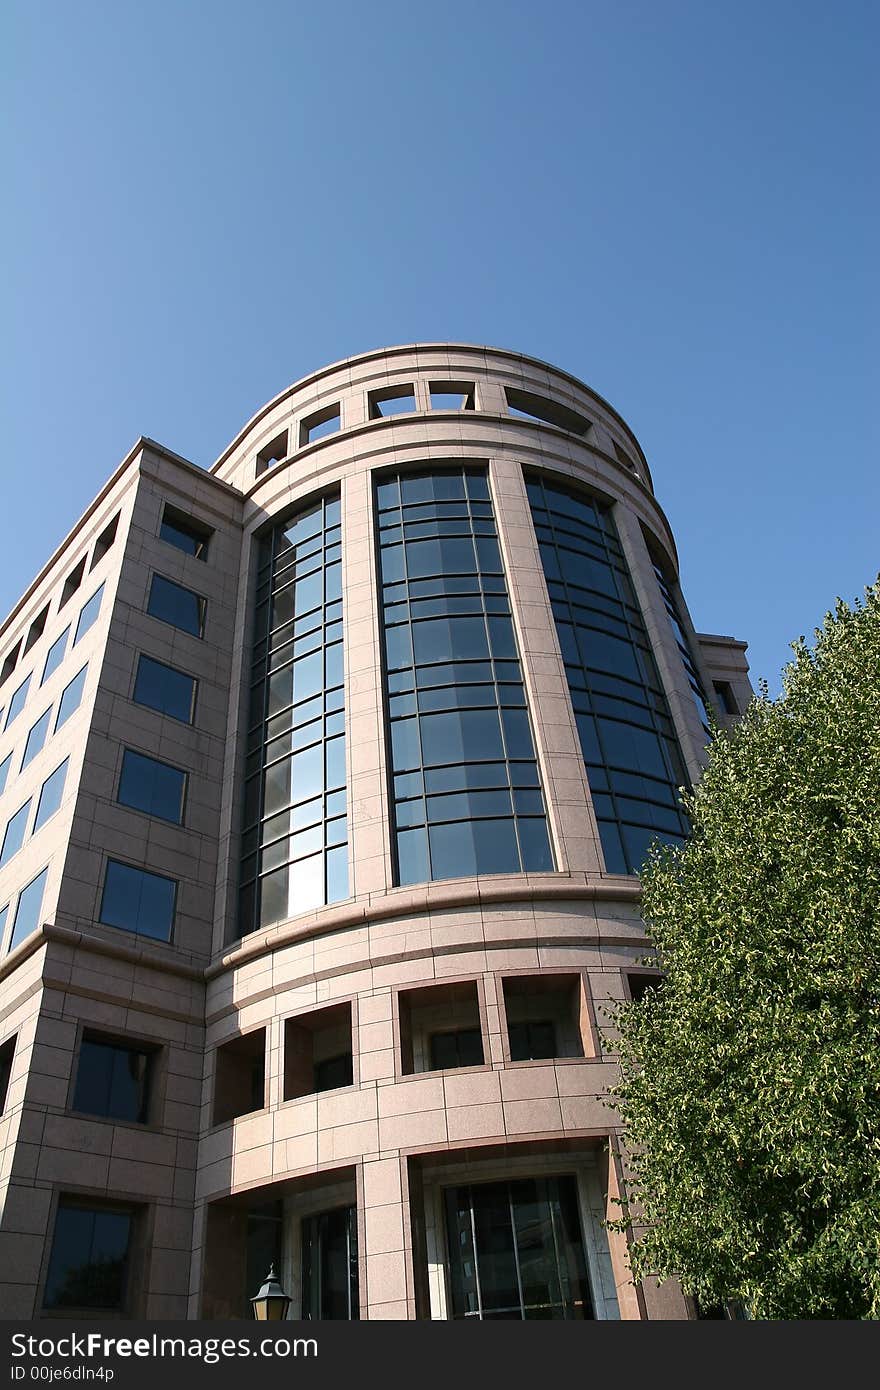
456	701
16	704
151	786
13	837
55	655
4	913
174	604
27	913
4	772
89	1260
112	1080
50	796
165	689
632	759
138	901
189	537
70	698
36	738
89	614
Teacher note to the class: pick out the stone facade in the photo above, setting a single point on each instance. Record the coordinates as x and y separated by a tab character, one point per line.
207	1196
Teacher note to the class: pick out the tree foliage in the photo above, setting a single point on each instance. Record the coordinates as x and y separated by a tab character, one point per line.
750	1090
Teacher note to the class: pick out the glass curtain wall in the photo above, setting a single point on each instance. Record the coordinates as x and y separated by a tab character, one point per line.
633	761
294	834
516	1251
466	791
690	666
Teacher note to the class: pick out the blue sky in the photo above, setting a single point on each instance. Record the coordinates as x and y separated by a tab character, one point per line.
675	200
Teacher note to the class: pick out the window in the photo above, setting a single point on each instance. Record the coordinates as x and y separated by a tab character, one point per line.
641	982
467	794
91	1249
272	453
27	913
547	412
172	603
323	422
240	1077
547	1016
70	698
7	1055
673	612
16	704
4	772
185	533
330	1266
624	458
151	786
36	737
51	793
628	740
72	583
452	395
113	1079
295	831
318	1051
88	614
391	400
10	662
516	1250
55	655
724	693
165	689
138	901
104	542
440	1027
37	628
13	838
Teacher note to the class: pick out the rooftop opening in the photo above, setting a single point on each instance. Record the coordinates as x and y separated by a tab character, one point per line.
72	583
547	412
452	395
272	453
10	662
323	422
104	542
391	400
37	628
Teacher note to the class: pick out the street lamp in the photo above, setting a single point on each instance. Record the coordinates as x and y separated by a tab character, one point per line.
271	1303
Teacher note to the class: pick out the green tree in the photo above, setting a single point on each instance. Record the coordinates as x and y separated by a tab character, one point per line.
750	1080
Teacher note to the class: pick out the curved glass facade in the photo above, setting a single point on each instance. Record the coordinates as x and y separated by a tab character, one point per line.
630	749
294	832
466	792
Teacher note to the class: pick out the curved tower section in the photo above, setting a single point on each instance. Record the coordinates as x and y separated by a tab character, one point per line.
470	690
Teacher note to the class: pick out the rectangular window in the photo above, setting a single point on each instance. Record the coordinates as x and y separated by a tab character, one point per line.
113	1079
547	1016
36	737
104	542
165	689
440	1027
172	603
391	400
135	900
13	838
37	628
516	1251
185	533
70	698
318	1051
532	1041
151	786
88	614
4	772
27	913
50	796
72	583
330	1266
7	1054
323	422
463	1048
240	1077
55	655
91	1246
10	662
16	704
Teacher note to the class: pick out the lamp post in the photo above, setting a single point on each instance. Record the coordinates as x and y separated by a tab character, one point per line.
271	1303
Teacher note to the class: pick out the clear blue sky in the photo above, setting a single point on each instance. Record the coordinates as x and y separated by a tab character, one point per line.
677	200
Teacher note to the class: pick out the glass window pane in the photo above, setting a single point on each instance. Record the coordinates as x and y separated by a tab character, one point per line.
55	655
50	796
138	901
88	614
152	786
88	1264
16	704
174	604
165	689
27	913
37	737
13	837
4	772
